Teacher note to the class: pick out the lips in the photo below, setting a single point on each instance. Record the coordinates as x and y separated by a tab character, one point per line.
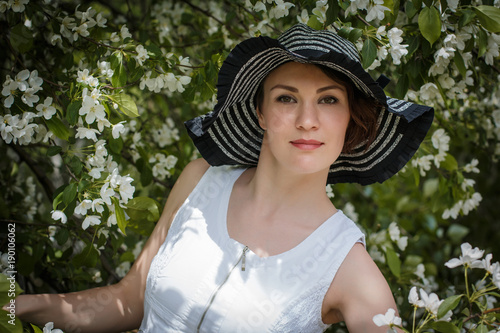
306	144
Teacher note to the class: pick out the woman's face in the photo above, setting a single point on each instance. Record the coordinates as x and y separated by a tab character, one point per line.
305	115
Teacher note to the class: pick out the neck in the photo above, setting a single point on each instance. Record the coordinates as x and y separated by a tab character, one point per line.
273	189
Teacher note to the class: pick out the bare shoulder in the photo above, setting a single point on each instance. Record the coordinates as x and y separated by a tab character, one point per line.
186	182
358	292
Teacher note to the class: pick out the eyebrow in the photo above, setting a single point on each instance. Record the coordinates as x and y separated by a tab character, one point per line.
293	89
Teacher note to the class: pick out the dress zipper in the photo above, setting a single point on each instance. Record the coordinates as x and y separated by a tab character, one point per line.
242	258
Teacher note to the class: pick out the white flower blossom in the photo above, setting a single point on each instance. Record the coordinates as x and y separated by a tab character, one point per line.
413	298
484	264
4	6
440	140
29	97
320	10
281	9
106	193
118	129
122	269
355	6
83	206
91	110
423	163
100	20
472	166
429	92
86	133
124	32
304	16
91	220
49	328
492	50
142	54
376	10
96	172
453	211
466	258
388	319
59	215
46	109
18	6
163	165
167	134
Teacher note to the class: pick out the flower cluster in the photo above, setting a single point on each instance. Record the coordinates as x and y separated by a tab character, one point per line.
17	6
278	10
162	165
391	44
375	9
167	134
26	83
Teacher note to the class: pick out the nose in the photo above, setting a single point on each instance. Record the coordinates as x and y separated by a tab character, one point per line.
307	117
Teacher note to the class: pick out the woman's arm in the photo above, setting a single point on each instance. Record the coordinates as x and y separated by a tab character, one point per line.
118	307
358	292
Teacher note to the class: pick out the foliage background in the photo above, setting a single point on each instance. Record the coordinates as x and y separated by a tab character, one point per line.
123	76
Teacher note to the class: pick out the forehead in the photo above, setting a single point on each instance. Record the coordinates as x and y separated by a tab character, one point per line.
300	74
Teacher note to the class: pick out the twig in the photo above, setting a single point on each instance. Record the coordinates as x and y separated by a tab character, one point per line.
482	313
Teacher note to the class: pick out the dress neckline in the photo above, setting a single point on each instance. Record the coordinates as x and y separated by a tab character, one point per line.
233	243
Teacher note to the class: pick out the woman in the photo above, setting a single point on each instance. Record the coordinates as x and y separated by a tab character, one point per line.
259	247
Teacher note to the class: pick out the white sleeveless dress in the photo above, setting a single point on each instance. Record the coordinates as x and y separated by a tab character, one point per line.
201	280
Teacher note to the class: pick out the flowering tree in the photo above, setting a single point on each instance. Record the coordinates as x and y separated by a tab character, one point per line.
93	100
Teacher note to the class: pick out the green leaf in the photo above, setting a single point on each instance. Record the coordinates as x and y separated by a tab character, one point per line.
430	187
354	35
126	104
448	304
482	42
154	50
116	145
466	17
449	163
429	23
75	165
410	9
444	327
57	200
120	215
393	262
119	78
489	17
459	62
53	150
62	236
69	193
36	329
402	87
332	12
58	128
143	207
8	324
369	52
9	289
88	257
456	233
21	38
314	23
72	112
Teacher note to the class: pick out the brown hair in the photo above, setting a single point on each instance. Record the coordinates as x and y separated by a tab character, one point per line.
364	110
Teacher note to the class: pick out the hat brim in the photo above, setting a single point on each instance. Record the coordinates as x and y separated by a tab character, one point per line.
231	135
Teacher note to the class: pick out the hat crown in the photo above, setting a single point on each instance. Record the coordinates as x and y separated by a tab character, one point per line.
304	40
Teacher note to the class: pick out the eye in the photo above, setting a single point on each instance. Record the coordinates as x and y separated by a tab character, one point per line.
328	100
285	99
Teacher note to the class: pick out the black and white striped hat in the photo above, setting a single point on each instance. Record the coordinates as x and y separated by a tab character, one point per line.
231	135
